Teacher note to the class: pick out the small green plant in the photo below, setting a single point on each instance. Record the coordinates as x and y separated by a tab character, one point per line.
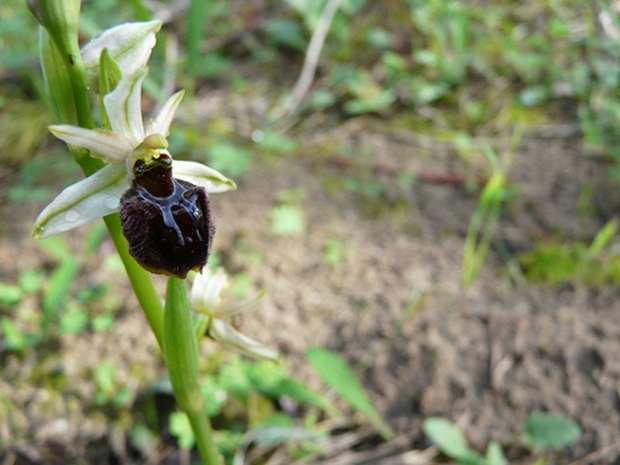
540	430
450	440
338	375
287	218
485	218
549	431
554	263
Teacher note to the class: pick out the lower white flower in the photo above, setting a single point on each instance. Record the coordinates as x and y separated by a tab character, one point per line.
205	299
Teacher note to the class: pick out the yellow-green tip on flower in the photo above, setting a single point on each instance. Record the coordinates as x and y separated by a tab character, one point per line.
129	140
205	299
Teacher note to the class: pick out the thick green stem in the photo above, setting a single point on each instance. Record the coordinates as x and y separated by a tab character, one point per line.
77	72
140	280
204	439
181	355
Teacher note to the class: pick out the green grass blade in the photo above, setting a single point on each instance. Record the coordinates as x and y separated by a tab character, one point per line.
338	375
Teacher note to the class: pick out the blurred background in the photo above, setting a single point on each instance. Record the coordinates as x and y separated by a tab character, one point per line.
434	203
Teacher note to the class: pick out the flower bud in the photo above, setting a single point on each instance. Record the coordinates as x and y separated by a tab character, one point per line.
61	20
167	222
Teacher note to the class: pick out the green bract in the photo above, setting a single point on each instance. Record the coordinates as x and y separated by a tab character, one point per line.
99	194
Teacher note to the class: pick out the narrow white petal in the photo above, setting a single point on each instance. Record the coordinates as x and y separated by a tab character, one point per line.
92	198
236	308
129	44
201	175
106	145
232	339
206	289
123	107
161	124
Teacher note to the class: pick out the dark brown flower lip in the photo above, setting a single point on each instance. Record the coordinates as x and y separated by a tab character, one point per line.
167	222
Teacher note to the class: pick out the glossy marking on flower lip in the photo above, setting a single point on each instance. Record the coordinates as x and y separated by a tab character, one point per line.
167	222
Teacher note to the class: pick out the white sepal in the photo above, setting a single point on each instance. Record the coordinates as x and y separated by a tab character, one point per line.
107	145
206	289
213	181
129	45
231	310
92	198
161	124
232	339
123	106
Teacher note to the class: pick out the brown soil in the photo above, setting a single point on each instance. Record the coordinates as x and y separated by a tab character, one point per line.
484	356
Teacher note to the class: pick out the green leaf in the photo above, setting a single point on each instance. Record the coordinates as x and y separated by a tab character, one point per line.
103	322
73	322
548	430
604	236
109	77
104	375
448	437
285	32
275	434
195	23
287	220
271	381
181	428
215	397
273	141
10	294
338	375
229	159
56	80
495	454
13	338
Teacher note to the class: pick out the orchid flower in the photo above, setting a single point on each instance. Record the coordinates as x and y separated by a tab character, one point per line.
205	299
128	141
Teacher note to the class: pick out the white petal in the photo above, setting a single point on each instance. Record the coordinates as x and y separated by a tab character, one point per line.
233	309
232	339
123	107
161	124
129	44
106	145
206	289
92	198
213	181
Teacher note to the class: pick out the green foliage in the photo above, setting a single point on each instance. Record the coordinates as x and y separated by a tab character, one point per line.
555	263
335	251
337	375
547	430
229	159
484	219
108	390
287	220
450	440
181	428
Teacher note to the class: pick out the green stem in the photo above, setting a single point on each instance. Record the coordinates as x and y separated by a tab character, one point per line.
77	72
140	280
181	355
204	439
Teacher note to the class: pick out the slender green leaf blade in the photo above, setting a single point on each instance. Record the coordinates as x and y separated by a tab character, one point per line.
338	375
495	454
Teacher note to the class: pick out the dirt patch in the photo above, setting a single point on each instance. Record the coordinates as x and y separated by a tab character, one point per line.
392	305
